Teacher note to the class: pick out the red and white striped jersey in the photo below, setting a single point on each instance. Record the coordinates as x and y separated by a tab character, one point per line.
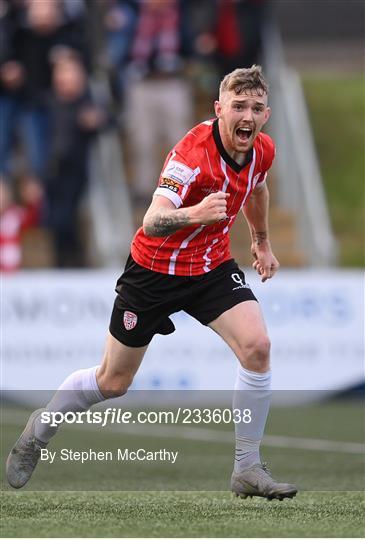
197	166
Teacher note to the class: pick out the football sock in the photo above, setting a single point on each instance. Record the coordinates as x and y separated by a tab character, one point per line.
252	392
77	393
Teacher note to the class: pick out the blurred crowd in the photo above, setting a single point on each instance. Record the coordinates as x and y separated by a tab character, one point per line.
156	56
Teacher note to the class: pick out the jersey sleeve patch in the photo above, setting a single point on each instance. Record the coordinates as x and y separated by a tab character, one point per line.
178	172
167	183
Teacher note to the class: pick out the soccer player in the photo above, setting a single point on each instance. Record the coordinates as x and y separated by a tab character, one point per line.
180	260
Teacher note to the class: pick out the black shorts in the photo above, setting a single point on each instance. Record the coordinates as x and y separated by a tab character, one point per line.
146	299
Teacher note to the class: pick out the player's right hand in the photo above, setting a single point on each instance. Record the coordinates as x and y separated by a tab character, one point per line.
211	209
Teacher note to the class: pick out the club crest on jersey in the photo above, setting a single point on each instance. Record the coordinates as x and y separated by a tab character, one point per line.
130	320
179	172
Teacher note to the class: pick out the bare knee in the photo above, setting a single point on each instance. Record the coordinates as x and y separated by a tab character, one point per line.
255	355
113	384
120	364
113	377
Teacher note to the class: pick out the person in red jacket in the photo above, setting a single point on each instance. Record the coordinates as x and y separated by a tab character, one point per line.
15	218
180	260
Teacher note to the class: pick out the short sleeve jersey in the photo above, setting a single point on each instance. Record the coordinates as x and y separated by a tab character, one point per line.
197	166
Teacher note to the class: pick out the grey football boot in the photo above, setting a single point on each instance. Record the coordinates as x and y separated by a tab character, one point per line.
256	481
24	455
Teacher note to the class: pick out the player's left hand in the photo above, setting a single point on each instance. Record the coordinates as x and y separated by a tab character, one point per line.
265	263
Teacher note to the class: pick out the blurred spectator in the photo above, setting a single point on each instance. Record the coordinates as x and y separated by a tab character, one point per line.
120	21
74	118
158	107
202	18
12	77
31	30
238	33
14	219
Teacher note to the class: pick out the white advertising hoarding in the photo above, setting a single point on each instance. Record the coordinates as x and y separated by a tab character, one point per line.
56	322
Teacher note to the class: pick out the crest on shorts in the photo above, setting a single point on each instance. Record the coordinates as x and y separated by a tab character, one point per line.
130	320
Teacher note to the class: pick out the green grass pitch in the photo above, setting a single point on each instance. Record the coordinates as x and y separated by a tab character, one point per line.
180	514
164	500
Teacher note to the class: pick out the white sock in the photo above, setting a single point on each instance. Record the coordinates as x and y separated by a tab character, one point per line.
77	393
252	391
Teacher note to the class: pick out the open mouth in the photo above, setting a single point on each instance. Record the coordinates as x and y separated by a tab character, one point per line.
244	133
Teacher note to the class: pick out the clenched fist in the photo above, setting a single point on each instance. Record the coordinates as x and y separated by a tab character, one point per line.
211	209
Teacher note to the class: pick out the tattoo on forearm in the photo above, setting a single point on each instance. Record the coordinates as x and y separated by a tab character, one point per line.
259	237
164	225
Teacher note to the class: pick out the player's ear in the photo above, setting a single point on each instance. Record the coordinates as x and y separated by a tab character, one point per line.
217	108
267	114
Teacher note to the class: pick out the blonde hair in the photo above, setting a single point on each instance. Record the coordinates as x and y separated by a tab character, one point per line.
243	79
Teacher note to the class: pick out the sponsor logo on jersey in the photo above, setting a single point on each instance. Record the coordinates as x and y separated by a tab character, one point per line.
130	320
179	172
169	184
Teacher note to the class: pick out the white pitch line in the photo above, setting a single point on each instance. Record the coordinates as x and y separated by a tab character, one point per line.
321	445
211	435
